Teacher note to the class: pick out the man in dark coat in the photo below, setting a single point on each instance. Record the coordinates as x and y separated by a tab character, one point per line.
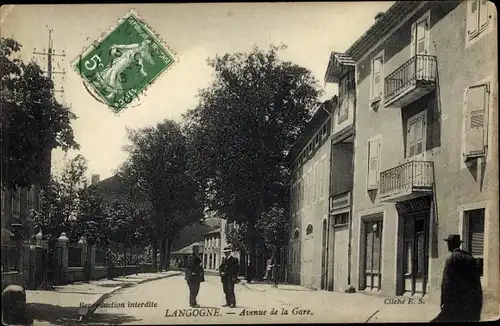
194	276
461	293
228	271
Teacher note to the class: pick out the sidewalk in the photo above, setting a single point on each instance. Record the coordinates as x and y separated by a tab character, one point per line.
348	307
69	303
359	306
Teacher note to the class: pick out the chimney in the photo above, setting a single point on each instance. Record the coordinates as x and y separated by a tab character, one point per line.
379	15
95	179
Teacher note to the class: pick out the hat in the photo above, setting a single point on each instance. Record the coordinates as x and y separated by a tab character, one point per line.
227	249
453	238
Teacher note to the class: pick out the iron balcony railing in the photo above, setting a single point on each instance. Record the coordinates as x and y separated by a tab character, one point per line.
410	176
420	67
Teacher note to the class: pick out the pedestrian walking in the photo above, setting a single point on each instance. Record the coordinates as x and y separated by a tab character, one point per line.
194	275
228	271
461	293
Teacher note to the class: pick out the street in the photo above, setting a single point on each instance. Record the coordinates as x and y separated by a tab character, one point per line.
165	301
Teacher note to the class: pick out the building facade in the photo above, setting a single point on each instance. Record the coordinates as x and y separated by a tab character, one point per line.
310	164
212	251
426	155
336	229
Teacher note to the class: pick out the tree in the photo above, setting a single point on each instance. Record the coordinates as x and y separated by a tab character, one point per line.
33	122
274	228
242	129
158	161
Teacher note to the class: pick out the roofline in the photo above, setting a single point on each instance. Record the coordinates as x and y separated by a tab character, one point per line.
391	18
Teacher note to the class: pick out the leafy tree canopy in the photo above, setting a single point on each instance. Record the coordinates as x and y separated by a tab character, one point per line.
32	120
243	127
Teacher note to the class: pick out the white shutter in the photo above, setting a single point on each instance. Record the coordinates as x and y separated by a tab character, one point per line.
472	17
419	136
410	139
475	121
413	41
373	160
483	13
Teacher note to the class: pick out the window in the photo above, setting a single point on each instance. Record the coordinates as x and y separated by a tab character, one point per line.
309	229
416	135
476	111
373	163
317	139
376	90
477	17
420	36
474	234
343	111
324	130
341	219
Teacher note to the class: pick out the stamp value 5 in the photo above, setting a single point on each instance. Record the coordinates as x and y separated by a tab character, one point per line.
120	66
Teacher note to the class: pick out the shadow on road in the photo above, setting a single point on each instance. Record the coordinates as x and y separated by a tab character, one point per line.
54	314
109	319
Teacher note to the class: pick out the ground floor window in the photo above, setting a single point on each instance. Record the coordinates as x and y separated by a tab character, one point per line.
474	234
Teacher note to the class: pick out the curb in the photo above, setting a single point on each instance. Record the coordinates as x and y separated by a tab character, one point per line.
89	311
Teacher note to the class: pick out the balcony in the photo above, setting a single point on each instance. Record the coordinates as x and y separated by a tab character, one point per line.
407	181
414	79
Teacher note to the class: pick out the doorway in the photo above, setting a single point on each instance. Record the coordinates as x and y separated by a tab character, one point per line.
415	252
324	256
372	265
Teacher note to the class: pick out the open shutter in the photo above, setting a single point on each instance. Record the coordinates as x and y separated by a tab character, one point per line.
419	136
410	140
475	120
483	13
472	17
373	161
413	39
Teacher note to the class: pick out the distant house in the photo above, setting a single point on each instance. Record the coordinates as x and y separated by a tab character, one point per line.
179	257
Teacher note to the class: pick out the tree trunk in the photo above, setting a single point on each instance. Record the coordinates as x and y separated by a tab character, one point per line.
155	253
251	256
163	243
168	249
277	261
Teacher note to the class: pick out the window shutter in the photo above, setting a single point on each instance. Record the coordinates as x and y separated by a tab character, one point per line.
483	13
421	37
410	139
373	164
472	17
413	39
476	232
475	129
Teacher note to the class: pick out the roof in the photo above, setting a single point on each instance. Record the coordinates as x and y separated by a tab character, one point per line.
217	230
322	113
336	61
117	187
187	249
194	232
382	25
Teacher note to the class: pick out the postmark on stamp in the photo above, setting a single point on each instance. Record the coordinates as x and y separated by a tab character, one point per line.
123	63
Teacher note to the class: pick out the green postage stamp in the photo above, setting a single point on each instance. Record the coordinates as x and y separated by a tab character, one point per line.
123	63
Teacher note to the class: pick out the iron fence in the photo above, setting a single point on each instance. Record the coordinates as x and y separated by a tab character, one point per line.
74	256
411	175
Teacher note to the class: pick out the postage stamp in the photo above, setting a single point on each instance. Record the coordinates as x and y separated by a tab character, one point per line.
124	62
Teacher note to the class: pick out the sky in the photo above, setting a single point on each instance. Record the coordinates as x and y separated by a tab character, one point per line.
194	32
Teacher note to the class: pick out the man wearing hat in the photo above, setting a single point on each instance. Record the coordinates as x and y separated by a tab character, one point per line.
461	293
194	276
228	271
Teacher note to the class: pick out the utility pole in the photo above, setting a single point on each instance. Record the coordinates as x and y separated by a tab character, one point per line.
48	266
50	54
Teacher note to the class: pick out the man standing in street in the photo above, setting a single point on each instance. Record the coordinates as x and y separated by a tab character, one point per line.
194	276
461	293
228	271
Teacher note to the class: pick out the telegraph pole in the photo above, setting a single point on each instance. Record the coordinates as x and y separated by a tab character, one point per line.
47	264
50	54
